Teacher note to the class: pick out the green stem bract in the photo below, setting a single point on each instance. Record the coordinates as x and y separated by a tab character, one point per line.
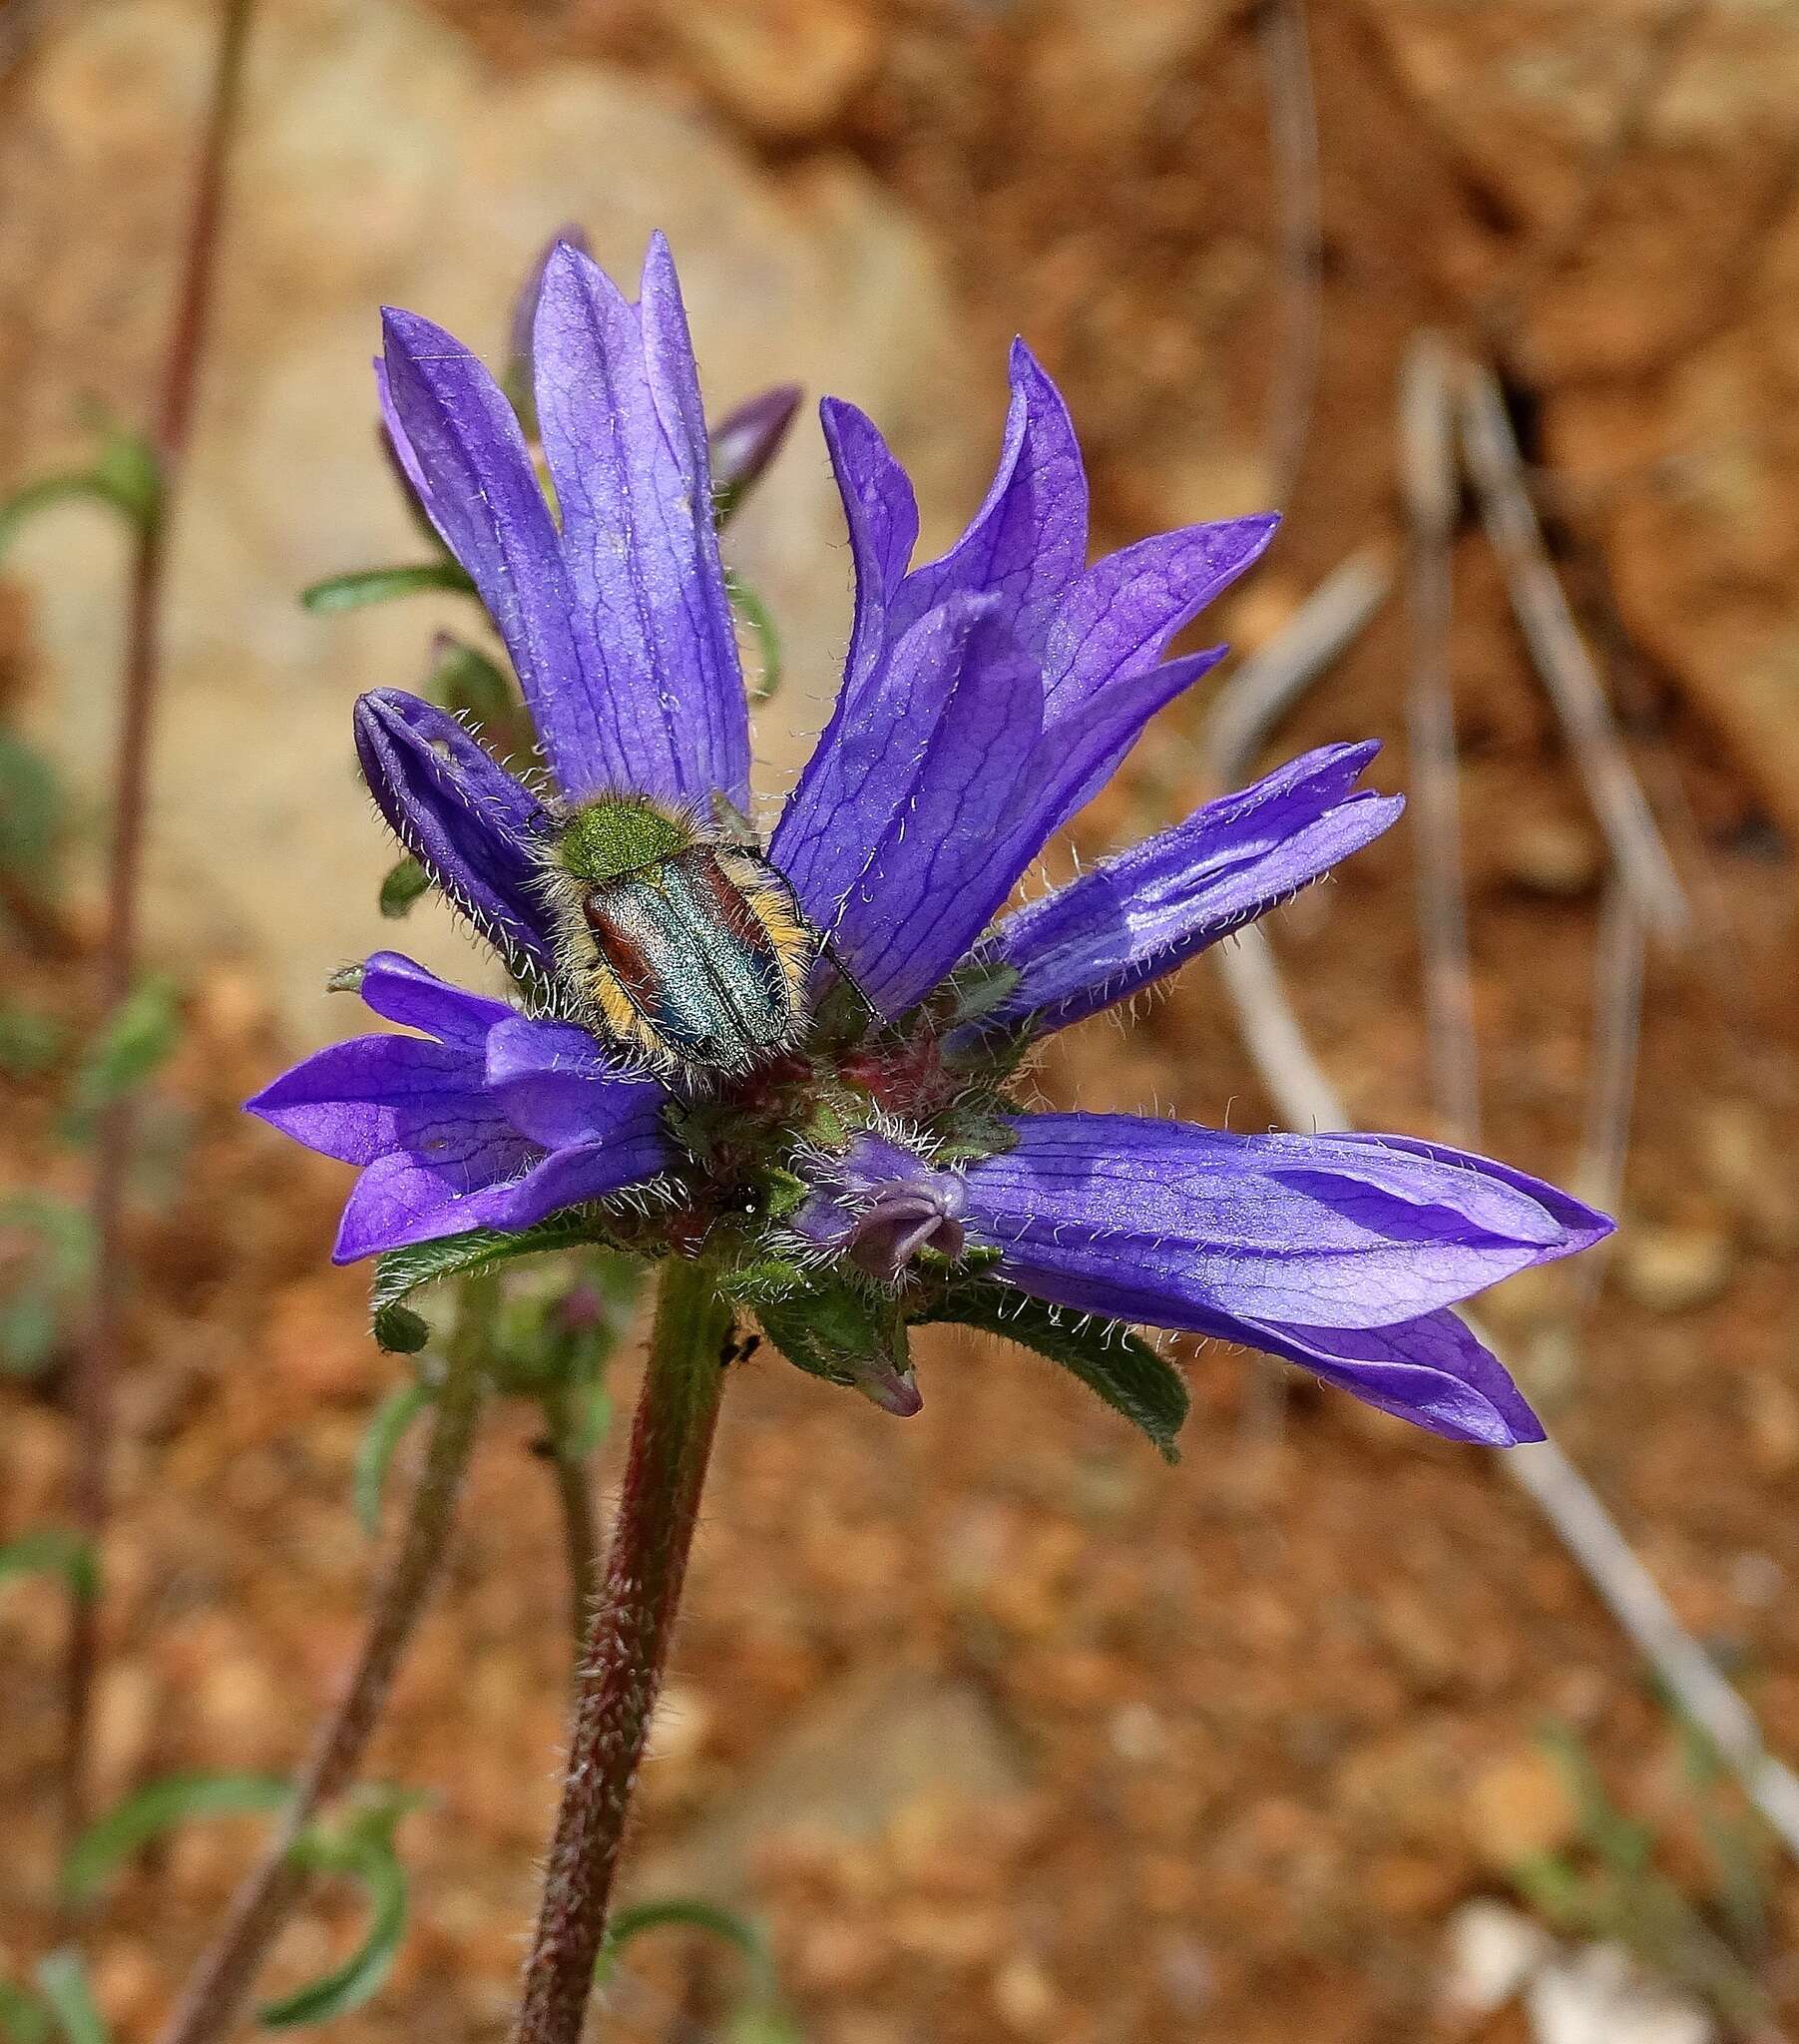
627	1643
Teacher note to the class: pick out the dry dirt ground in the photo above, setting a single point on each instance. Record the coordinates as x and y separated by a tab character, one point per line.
1004	1730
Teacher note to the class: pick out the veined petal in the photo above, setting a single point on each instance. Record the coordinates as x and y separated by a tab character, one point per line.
467	821
618	399
1432	1371
555	1085
459	440
405	1197
881	513
979	814
1169	1225
1118	618
1027	543
1141	915
356	1099
399	990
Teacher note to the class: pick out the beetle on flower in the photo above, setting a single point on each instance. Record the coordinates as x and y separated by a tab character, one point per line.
803	1050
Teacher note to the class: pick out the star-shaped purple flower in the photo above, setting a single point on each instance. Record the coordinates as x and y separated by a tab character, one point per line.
986	696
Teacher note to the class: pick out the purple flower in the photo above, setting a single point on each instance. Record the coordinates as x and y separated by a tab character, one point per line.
986	696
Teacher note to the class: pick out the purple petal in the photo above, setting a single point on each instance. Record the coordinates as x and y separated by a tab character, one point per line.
467	821
618	398
1170	1225
400	991
524	307
987	696
356	1099
556	1085
458	438
882	515
1141	915
1118	618
411	1196
747	439
1027	543
976	824
1432	1371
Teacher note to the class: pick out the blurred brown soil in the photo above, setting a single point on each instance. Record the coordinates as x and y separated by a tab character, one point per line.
1220	1747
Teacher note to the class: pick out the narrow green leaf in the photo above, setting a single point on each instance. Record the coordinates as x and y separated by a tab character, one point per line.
30	1042
54	1551
466	683
371	1860
84	485
375	1452
130	474
46	1258
32	808
63	1982
111	1839
129	1046
382	585
688	1914
405	883
759	622
1110	1361
23	2017
400	1272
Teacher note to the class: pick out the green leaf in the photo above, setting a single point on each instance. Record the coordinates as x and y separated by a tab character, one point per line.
466	683
32	808
46	1258
759	621
1119	1365
54	1551
111	1839
363	1852
30	1042
688	1914
375	1452
400	1272
23	2017
381	585
130	474
129	1046
405	883
63	1982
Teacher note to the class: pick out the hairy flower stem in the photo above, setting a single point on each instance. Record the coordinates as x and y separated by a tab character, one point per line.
91	1393
214	1998
627	1643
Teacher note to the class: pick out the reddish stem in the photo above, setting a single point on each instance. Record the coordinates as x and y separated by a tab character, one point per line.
627	1645
91	1392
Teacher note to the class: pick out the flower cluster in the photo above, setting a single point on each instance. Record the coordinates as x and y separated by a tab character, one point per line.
795	1060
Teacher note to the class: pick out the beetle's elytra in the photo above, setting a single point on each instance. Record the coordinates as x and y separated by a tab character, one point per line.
692	955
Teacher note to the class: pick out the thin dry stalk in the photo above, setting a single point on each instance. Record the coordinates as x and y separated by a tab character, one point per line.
1306	1098
1562	659
91	1391
1281	38
1427	448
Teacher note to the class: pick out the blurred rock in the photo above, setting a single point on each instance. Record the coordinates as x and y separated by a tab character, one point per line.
1493	1951
1672	1270
1602	1995
785	68
379	160
861	1760
1561	857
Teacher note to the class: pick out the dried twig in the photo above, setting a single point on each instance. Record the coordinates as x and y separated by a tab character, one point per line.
91	1391
1562	658
1303	1093
1428	477
1280	26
